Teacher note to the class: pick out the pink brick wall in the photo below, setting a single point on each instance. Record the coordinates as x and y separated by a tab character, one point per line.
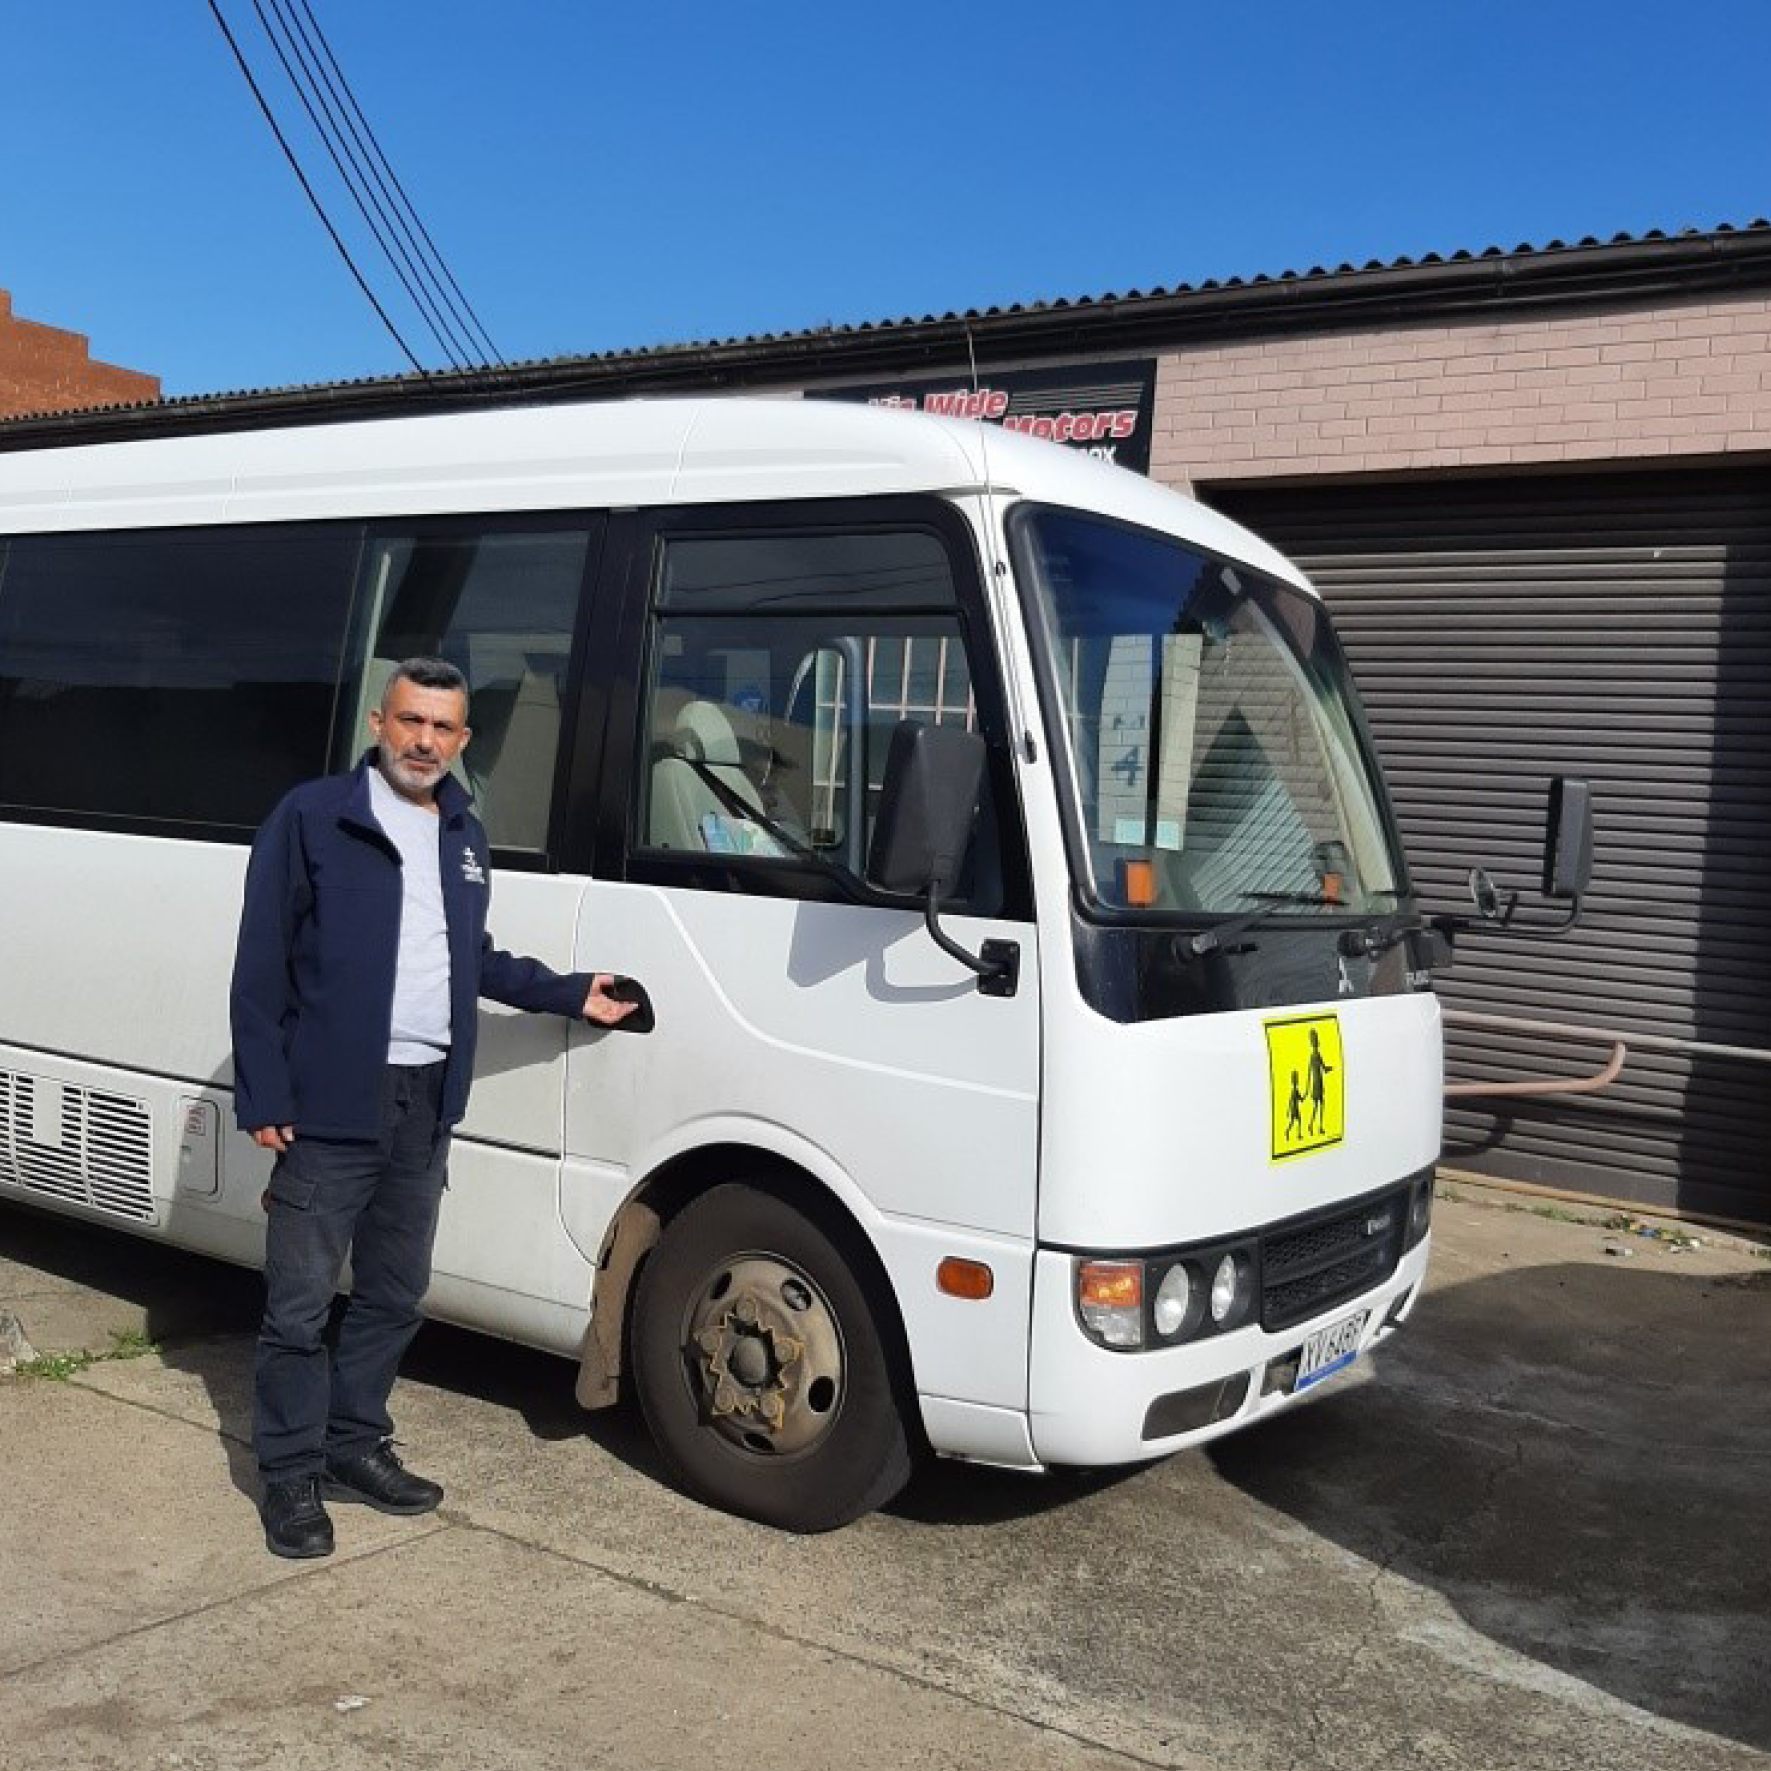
1685	379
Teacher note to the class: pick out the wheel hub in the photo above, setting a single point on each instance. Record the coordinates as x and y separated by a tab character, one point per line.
766	1355
749	1364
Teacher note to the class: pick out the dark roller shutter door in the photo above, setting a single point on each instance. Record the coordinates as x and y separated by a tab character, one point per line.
1616	627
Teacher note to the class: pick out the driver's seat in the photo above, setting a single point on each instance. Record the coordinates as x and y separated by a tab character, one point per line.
699	784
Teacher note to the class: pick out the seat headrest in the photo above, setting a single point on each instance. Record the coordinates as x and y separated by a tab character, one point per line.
704	732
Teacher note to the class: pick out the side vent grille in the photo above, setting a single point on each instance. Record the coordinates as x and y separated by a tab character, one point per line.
84	1146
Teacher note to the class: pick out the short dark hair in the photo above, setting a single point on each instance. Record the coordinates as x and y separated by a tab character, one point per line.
427	673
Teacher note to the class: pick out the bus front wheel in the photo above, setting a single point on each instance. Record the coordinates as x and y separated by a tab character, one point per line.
761	1369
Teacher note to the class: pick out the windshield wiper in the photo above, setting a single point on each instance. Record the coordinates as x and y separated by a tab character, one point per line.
1212	938
1373	940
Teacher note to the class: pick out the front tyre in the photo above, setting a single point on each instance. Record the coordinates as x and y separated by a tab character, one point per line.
760	1367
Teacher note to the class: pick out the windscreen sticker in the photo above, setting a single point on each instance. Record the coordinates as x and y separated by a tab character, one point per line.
1307	1082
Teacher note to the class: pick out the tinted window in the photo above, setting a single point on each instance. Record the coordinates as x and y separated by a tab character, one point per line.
183	675
501	604
766	733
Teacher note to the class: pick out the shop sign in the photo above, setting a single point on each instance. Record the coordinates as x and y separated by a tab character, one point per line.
1101	409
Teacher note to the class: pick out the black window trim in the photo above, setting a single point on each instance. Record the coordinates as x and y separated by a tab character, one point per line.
635	551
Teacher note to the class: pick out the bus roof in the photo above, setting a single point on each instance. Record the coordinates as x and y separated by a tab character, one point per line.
607	454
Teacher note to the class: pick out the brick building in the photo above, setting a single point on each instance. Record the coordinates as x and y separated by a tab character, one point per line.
1535	488
45	369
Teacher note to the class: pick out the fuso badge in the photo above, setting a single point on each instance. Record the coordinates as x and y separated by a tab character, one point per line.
1308	1083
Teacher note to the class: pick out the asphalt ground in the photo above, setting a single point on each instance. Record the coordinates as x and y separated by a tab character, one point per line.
1535	1531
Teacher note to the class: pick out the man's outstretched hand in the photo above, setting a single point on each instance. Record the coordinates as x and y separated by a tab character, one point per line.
601	1007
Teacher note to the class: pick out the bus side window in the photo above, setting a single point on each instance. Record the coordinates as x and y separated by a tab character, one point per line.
765	742
175	677
501	603
780	664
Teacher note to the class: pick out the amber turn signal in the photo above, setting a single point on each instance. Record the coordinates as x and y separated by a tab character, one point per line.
1112	1285
965	1279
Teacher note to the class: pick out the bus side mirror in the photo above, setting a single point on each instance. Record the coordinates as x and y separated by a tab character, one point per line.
1567	866
928	814
928	809
1568	839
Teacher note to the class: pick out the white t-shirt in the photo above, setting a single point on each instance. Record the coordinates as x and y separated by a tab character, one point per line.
420	1032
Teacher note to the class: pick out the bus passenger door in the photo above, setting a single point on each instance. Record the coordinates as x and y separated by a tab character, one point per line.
798	1011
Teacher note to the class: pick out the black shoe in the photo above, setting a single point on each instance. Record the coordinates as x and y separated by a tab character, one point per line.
295	1522
378	1479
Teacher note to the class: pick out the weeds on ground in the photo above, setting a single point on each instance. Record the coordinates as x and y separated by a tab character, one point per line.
1557	1214
1673	1237
126	1343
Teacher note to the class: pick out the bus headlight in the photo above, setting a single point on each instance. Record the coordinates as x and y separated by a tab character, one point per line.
1131	1305
1230	1289
1174	1296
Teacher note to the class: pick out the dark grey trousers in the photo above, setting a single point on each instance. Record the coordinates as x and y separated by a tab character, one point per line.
375	1200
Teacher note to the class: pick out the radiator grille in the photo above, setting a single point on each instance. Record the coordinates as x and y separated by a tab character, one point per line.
102	1155
1312	1267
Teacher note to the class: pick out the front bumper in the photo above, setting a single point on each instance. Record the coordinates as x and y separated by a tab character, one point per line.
1090	1405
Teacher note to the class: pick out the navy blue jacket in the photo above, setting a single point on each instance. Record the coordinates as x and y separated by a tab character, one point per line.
313	994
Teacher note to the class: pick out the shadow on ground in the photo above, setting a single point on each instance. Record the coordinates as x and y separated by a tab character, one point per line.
1576	1457
202	1314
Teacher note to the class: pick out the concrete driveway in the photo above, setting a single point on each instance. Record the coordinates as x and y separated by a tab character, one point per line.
1535	1532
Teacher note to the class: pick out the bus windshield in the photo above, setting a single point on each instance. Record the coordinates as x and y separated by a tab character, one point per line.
1215	753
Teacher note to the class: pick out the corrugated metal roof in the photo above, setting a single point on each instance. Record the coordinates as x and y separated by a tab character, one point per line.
1407	281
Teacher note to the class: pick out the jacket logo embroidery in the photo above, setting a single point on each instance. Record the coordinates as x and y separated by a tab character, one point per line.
471	870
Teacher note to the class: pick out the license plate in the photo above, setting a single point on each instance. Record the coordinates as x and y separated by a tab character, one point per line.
1329	1350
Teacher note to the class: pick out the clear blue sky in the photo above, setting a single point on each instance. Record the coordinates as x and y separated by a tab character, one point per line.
603	176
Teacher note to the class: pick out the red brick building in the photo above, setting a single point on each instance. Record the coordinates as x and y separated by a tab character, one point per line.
44	369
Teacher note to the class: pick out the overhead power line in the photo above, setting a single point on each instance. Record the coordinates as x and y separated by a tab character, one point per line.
343	85
312	70
395	234
318	207
405	272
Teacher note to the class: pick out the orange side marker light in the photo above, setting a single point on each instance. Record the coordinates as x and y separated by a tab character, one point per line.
965	1279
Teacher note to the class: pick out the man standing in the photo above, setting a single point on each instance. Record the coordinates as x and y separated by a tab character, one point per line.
362	954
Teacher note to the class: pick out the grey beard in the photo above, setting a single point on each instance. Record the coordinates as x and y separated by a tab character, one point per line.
397	777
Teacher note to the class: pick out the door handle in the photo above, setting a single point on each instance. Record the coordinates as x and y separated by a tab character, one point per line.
642	1020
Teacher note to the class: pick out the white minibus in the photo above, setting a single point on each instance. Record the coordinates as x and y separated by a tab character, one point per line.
1037	1059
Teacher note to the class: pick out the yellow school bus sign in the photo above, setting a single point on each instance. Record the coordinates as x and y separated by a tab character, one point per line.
1308	1084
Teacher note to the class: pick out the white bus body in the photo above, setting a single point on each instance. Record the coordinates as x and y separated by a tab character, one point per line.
190	624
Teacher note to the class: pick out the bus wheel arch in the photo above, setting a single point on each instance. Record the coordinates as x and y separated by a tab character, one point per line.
657	1316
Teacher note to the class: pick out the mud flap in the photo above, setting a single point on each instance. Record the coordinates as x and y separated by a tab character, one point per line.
636	1232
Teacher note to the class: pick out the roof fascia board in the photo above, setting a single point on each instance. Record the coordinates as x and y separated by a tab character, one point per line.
1635	273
